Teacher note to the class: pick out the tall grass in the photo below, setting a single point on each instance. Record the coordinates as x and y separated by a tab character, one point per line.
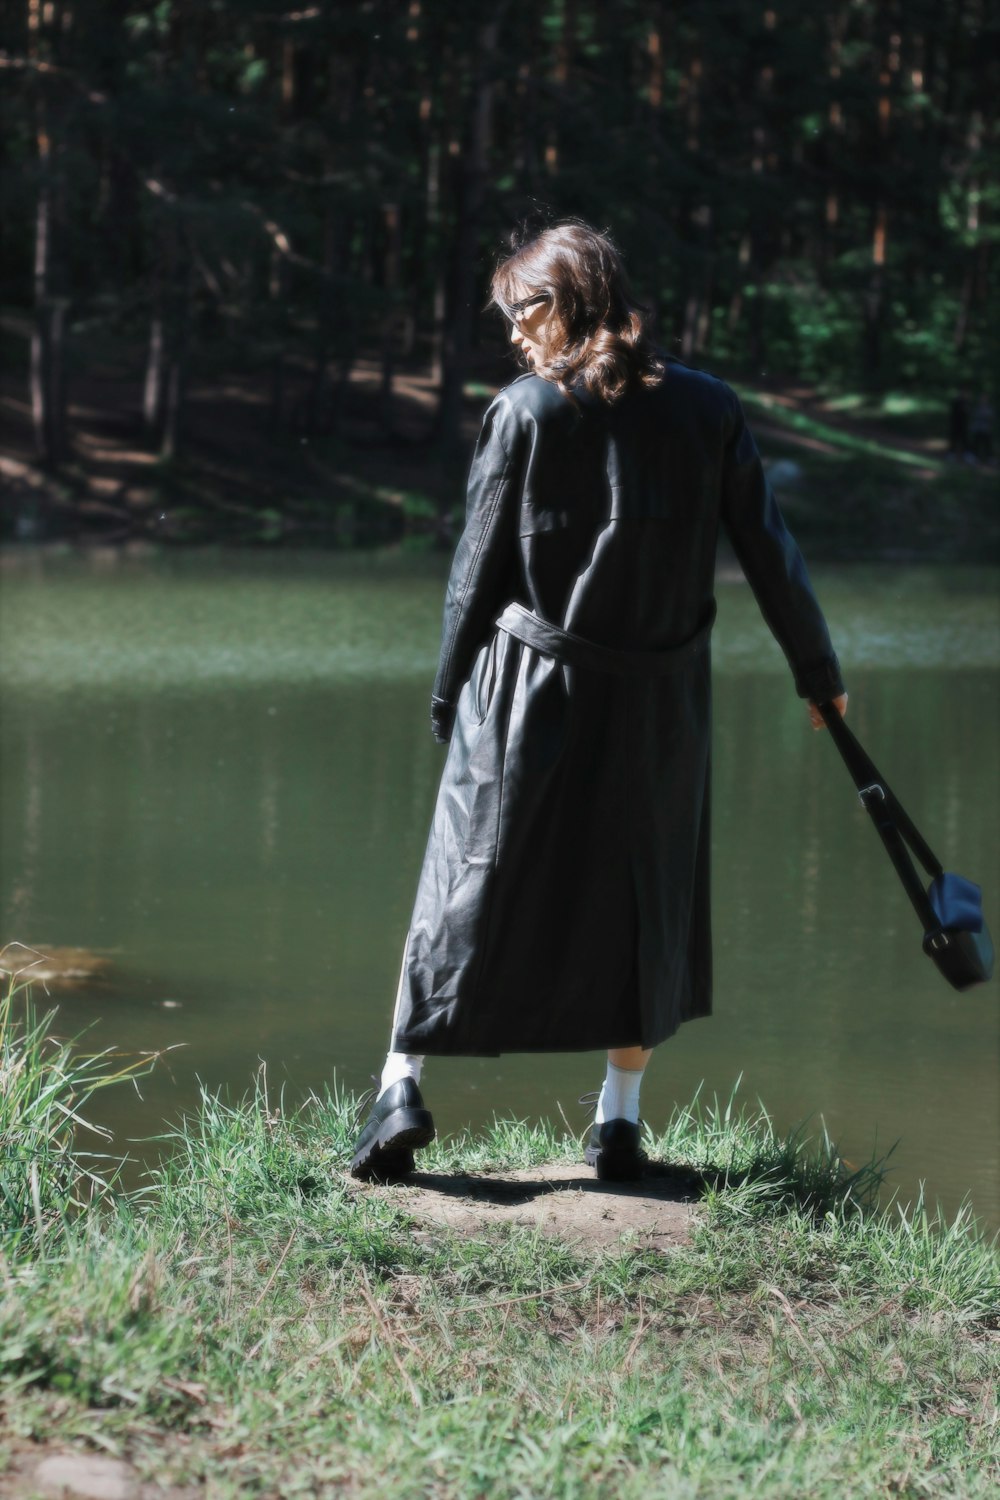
46	1085
256	1322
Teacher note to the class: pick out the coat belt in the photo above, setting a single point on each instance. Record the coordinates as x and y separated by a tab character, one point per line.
576	651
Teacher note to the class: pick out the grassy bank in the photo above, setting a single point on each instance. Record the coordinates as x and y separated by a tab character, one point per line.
257	1323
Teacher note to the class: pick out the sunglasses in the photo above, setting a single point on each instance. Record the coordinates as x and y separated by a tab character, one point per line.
518	309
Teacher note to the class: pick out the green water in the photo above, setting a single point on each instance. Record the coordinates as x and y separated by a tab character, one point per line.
217	770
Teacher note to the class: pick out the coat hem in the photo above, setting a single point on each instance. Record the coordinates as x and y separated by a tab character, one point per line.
426	1047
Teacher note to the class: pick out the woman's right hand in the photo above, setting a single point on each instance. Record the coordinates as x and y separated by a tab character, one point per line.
817	718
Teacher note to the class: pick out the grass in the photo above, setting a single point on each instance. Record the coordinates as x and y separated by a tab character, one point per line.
256	1322
45	1085
865	495
837	438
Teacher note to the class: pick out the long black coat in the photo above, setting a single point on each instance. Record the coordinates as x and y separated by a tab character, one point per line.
563	903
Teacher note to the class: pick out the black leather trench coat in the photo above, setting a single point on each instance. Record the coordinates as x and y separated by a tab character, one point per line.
563	903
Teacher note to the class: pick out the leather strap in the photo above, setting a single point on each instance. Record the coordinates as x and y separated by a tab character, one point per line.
895	827
576	651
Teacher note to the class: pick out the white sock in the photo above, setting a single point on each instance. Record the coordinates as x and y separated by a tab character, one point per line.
399	1065
619	1099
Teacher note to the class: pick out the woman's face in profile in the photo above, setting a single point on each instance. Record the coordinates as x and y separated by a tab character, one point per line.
537	330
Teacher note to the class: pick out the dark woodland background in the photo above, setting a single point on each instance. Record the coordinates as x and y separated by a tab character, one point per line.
246	248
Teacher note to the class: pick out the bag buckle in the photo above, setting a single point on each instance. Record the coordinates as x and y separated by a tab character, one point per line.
937	940
870	791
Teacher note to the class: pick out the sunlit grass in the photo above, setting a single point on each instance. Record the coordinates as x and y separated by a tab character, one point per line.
46	1086
887	404
836	438
256	1321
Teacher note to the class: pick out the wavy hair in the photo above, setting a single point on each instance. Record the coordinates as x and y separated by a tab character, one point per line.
607	347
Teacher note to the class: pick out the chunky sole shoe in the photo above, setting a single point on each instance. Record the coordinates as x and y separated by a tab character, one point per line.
397	1125
614	1150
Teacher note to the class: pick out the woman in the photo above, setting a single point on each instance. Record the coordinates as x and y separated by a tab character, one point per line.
563	903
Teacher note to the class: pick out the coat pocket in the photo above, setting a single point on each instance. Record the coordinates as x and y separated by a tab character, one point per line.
487	678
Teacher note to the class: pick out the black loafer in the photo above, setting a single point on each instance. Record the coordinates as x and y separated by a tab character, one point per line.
614	1150
398	1122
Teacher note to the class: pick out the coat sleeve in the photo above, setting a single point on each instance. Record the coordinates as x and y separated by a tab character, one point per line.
774	566
485	568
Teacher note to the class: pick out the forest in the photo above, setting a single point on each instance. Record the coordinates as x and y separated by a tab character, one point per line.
246	248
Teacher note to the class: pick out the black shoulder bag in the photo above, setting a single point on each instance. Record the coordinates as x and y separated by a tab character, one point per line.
951	909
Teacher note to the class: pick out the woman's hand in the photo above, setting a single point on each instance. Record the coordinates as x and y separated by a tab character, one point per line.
817	718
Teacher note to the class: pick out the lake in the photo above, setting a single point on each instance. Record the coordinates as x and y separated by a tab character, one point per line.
217	771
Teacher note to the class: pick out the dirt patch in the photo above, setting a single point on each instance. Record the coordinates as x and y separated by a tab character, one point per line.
561	1199
65	1472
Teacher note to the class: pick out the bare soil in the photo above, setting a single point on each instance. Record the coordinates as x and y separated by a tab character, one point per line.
53	1470
560	1199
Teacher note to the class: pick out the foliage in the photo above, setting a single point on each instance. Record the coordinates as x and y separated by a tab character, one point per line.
813	193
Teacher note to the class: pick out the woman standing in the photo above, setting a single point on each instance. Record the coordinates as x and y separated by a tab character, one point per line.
563	903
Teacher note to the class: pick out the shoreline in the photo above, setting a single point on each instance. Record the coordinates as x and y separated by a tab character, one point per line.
256	1322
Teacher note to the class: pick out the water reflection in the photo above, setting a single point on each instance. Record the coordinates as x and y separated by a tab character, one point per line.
220	770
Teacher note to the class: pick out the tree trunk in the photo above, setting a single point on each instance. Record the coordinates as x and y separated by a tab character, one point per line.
872	308
964	305
47	377
40	364
326	312
152	396
756	311
173	405
177	354
48	390
757	333
438	273
155	384
391	219
276	405
438	315
278	291
317	382
57	374
458	338
690	327
703	326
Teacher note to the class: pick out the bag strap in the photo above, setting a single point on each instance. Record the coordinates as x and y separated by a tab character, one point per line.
894	825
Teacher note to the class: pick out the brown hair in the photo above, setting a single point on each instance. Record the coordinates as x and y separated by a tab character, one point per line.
607	347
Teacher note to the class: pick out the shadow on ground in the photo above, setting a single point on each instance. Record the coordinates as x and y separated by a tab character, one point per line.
559	1199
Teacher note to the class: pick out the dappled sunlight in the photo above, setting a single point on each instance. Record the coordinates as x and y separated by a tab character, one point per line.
853	422
229	390
798	439
101	449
